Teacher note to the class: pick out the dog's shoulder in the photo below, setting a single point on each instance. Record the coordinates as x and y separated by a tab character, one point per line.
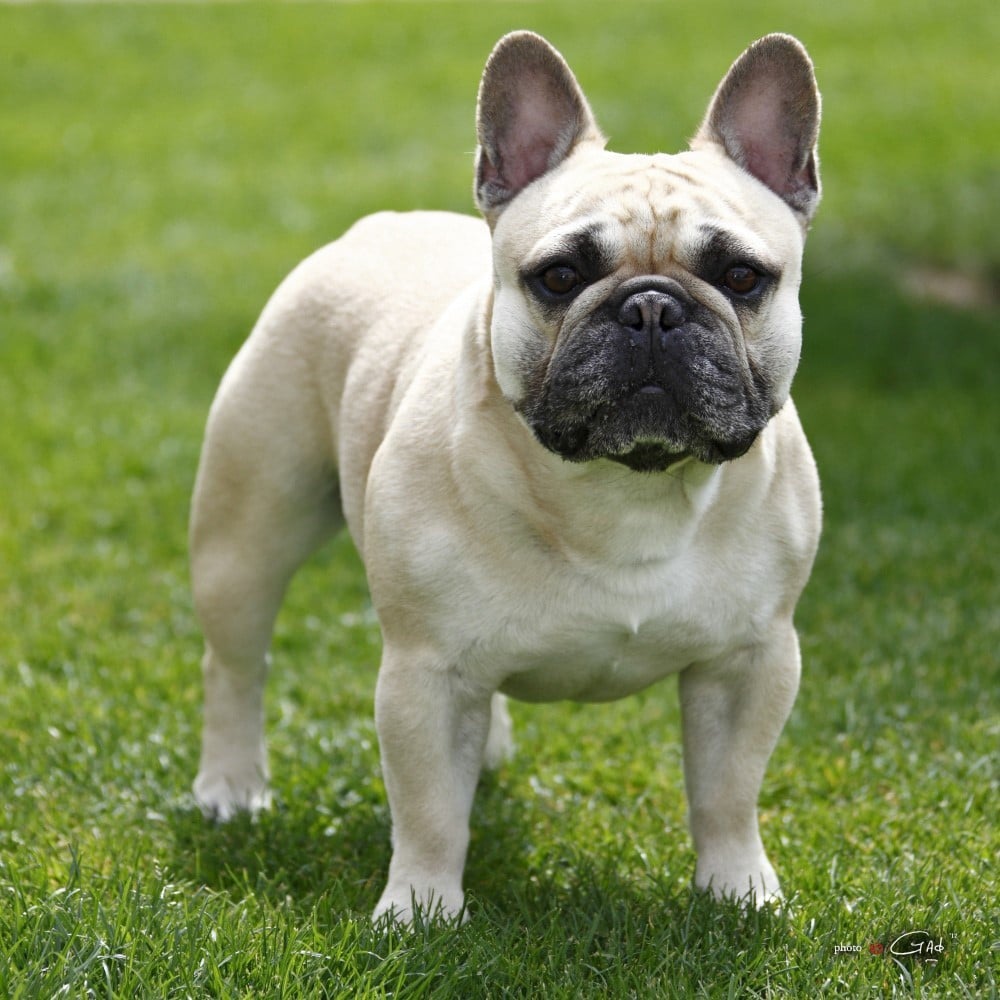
386	259
425	245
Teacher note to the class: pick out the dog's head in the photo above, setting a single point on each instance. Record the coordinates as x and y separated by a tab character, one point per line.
646	307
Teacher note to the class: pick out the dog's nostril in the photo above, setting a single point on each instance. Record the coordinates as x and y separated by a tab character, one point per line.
631	316
671	313
651	310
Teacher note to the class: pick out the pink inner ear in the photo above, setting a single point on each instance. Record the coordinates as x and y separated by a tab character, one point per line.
770	165
759	130
530	139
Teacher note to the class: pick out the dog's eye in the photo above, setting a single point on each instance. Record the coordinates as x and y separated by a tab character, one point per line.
741	279
560	279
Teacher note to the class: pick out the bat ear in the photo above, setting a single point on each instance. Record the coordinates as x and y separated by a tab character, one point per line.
765	116
531	115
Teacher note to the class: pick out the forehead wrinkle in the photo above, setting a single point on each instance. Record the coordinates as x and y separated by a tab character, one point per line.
644	200
656	193
640	214
668	211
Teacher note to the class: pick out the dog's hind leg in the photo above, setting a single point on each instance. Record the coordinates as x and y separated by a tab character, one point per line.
265	497
500	742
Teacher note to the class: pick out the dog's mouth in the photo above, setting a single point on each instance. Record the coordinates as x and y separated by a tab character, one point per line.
643	431
651	456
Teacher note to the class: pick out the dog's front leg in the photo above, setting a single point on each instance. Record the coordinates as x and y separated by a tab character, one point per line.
733	711
432	730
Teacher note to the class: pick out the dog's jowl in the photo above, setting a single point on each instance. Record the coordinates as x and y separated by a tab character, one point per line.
562	441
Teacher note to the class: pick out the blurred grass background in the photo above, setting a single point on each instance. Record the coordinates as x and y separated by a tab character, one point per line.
161	168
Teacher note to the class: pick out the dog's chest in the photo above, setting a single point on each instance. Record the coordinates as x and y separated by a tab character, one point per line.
601	640
593	664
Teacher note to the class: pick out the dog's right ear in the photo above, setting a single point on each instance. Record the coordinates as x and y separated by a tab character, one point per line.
530	117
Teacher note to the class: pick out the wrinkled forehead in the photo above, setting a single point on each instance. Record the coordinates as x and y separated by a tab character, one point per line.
681	204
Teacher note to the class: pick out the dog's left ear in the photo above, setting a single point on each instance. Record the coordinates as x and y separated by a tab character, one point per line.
531	115
765	115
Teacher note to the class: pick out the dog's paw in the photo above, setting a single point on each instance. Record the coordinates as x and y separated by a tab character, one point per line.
404	906
754	886
221	796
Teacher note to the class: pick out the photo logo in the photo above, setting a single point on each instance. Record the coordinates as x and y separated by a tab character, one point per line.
903	949
920	946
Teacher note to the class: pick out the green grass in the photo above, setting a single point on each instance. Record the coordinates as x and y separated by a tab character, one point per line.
162	168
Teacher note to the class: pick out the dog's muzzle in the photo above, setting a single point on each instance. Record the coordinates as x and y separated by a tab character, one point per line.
650	380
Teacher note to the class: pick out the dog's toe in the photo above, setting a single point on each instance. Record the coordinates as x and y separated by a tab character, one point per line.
221	798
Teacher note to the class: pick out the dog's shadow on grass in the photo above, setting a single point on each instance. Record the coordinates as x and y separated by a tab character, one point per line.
334	867
300	851
305	853
287	855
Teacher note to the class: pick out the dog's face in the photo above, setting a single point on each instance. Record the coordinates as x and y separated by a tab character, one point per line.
646	307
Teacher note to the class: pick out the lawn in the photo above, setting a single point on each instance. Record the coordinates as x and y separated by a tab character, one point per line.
162	168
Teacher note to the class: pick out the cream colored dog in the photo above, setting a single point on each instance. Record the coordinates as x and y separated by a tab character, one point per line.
562	442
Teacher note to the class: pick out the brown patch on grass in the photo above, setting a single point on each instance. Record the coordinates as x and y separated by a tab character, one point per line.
959	289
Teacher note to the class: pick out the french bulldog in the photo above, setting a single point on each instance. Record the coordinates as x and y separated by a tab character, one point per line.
563	444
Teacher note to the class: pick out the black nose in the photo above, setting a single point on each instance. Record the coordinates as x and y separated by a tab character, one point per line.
651	310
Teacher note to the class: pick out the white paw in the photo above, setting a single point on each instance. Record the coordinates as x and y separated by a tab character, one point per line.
222	796
402	904
753	885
